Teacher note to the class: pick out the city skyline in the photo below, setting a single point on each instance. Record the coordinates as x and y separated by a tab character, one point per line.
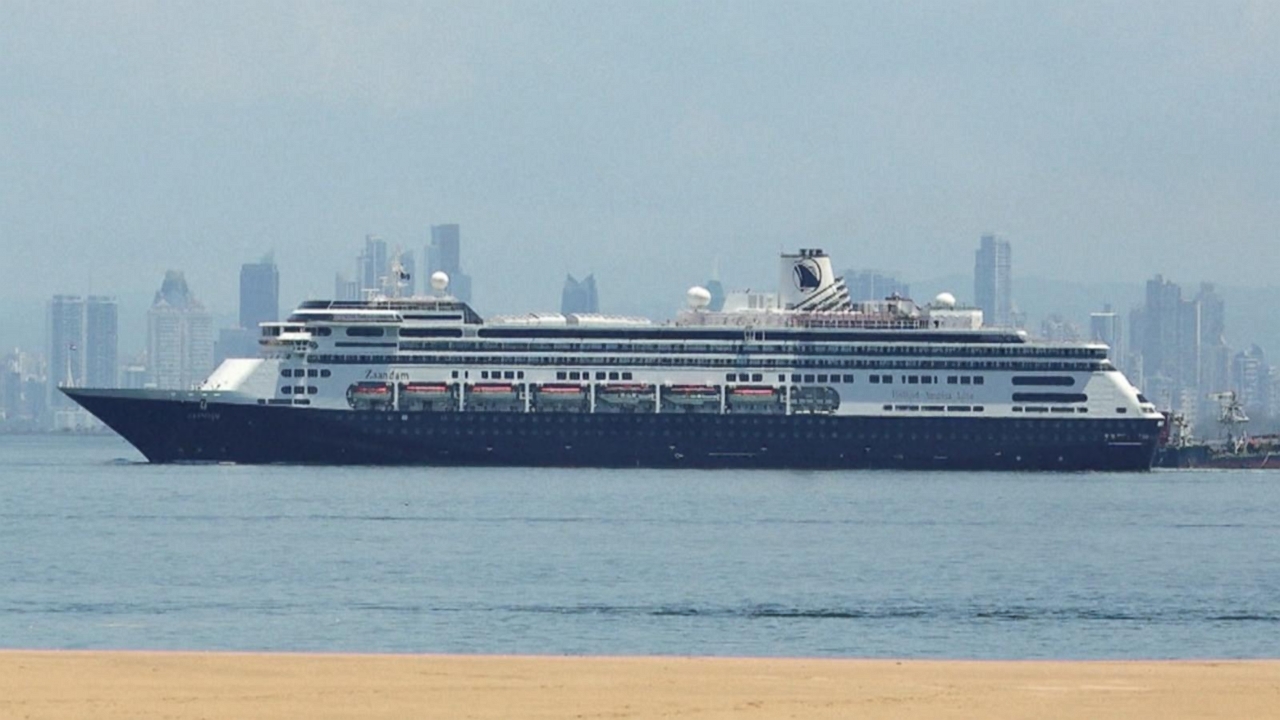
1111	142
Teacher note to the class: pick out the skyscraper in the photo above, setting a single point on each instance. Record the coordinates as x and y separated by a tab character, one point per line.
259	293
1105	327
373	266
579	296
179	336
444	254
872	285
66	346
101	342
992	282
83	344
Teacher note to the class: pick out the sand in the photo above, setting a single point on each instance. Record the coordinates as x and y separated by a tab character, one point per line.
134	685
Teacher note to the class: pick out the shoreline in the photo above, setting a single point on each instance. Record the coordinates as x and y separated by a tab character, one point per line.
179	684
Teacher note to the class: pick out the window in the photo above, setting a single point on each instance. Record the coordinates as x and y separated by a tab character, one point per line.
286	373
848	378
484	374
560	375
600	375
875	379
913	379
730	377
977	380
508	375
287	390
1058	380
926	380
757	377
364	332
626	376
795	377
808	378
952	379
613	376
966	380
324	373
312	389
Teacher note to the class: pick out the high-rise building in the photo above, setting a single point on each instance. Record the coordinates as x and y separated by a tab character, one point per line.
873	286
101	342
1105	327
83	344
66	346
444	254
579	296
372	266
1253	381
992	281
1184	355
180	338
259	293
344	289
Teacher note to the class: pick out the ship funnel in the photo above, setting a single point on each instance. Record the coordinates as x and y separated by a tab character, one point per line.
808	283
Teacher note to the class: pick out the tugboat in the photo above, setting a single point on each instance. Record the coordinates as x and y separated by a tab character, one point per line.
1235	450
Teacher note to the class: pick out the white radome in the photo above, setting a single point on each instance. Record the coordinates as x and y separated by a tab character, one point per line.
699	297
439	280
945	300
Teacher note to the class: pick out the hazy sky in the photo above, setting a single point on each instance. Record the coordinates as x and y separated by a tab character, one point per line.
638	140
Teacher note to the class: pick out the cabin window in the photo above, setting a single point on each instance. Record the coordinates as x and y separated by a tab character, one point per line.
287	390
364	332
324	373
978	380
613	376
562	375
757	377
626	376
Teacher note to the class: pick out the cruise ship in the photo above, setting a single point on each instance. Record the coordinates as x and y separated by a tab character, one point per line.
800	378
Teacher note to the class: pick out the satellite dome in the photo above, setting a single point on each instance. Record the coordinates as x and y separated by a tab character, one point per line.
945	300
439	280
699	297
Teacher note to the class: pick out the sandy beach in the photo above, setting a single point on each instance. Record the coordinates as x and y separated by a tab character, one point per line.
61	684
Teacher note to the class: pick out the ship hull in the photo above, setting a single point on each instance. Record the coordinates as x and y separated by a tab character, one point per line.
177	427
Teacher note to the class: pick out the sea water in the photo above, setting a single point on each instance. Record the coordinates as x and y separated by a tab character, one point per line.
100	550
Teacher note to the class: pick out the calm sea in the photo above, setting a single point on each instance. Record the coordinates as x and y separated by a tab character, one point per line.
99	550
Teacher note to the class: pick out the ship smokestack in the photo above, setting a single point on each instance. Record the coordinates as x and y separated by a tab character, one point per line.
808	283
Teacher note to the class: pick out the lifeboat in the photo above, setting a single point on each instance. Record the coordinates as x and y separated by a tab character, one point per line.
695	395
562	390
418	389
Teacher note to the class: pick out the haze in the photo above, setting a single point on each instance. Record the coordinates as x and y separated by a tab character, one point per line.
639	141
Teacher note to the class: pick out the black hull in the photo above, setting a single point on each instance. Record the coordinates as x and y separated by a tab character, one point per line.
180	429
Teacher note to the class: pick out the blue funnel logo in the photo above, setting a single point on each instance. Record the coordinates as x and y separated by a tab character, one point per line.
807	275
